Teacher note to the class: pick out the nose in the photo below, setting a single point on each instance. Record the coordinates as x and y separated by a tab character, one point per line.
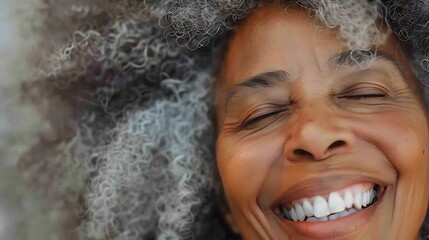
317	135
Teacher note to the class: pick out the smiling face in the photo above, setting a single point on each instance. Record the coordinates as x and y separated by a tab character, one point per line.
317	141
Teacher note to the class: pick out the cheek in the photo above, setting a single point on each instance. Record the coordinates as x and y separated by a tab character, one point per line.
411	153
403	139
244	165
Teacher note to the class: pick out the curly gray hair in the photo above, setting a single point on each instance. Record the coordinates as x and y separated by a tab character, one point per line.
129	149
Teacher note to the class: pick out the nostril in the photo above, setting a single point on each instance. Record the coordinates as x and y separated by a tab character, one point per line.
338	143
302	153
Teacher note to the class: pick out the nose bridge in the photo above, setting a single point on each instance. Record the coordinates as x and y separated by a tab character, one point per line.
314	115
316	134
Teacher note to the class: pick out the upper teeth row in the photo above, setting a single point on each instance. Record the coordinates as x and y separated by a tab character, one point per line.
336	202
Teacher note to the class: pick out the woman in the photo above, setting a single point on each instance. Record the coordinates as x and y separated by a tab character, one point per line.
235	119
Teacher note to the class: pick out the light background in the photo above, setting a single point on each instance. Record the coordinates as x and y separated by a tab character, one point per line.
9	41
19	123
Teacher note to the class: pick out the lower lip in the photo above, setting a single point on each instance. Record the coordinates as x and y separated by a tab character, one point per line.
340	227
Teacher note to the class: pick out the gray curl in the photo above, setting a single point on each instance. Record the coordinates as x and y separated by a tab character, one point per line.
128	100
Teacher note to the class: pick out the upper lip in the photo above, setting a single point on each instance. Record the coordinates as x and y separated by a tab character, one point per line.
322	185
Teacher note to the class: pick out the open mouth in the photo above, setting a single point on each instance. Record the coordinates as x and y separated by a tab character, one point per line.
332	206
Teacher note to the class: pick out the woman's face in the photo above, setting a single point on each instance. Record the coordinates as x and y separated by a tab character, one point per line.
316	142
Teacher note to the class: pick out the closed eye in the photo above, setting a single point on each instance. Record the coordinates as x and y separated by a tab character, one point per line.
252	121
363	96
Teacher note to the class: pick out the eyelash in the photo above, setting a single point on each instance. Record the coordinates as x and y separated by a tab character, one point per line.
254	120
249	122
364	96
363	91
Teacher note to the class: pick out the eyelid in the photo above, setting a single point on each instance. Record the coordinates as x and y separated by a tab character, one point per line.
365	89
245	123
364	96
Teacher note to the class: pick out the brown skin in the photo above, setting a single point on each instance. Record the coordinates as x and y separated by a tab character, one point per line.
383	138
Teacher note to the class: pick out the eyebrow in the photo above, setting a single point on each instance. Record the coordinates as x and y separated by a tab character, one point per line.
352	58
259	81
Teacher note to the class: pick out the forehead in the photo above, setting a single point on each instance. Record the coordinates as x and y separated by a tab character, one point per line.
269	38
289	39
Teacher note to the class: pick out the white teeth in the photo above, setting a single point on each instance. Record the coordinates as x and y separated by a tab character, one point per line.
308	208
336	203
363	199
333	217
366	198
299	212
320	207
358	199
348	199
343	214
330	217
372	195
286	212
351	211
293	214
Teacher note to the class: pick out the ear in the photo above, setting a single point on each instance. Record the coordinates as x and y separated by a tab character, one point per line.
222	202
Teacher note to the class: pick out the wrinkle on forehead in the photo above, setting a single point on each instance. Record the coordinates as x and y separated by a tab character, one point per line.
266	25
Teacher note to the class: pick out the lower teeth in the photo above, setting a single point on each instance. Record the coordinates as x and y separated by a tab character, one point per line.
332	216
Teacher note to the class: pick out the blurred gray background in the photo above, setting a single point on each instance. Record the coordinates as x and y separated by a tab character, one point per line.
9	42
9	37
19	123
